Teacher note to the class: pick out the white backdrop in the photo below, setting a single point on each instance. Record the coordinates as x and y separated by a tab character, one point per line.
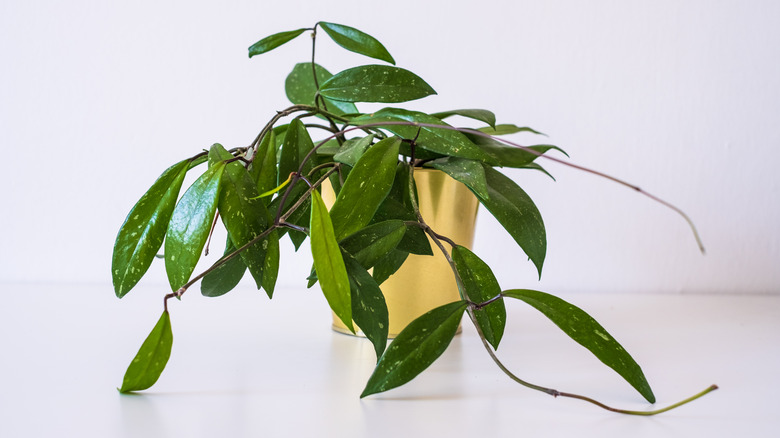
681	98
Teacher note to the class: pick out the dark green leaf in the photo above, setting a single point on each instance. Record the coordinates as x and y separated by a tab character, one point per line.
398	205
297	144
224	278
299	217
301	89
469	172
151	359
244	215
190	225
516	212
415	348
366	186
440	140
504	155
369	309
357	41
481	285
505	129
353	149
375	83
143	231
329	263
587	332
374	242
271	263
271	42
263	170
476	114
388	265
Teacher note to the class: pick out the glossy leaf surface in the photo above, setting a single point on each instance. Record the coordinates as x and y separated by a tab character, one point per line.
357	41
271	42
328	262
297	144
263	170
301	89
190	225
369	309
469	172
398	205
372	243
506	129
365	188
352	150
388	265
587	332
416	348
476	114
375	83
481	285
517	213
143	231
440	140
148	364
224	278
504	155
244	215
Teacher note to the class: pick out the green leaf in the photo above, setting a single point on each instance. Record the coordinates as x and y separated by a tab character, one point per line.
357	41
389	265
353	149
398	205
263	169
375	83
329	263
440	140
301	89
587	332
297	144
369	309
469	172
504	155
476	114
190	225
151	359
224	278
244	215
516	212
372	243
505	129
416	347
481	285
143	231
271	42
365	188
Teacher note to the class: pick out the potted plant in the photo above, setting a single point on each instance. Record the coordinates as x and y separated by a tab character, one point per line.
272	189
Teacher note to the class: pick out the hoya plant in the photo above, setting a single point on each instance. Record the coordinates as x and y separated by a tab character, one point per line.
270	190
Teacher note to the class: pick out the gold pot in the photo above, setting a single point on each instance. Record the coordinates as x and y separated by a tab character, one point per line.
426	282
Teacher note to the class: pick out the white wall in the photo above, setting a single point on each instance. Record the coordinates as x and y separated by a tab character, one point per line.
682	98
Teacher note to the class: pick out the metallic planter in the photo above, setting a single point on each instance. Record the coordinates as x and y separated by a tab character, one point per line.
426	282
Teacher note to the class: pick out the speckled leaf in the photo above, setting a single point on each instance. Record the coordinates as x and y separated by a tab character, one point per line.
271	42
481	285
388	265
224	278
476	114
301	89
505	129
263	169
190	225
416	348
297	144
516	212
328	262
440	140
374	242
398	205
244	215
503	155
469	172
365	188
151	359
369	309
375	83
357	41
351	151
143	231
587	332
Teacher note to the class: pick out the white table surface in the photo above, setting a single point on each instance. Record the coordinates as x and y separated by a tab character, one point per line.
246	366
